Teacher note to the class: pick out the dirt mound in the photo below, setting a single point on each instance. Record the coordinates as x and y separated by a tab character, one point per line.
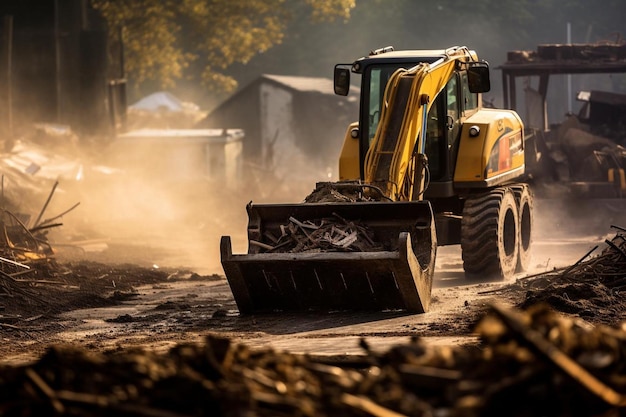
591	289
57	287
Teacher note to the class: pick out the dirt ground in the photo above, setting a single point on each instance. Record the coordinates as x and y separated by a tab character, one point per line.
96	302
104	306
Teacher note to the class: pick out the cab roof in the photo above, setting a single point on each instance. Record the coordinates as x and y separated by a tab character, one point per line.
408	56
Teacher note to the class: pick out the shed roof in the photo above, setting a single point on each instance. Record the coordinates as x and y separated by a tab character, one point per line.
183	135
163	100
316	85
311	84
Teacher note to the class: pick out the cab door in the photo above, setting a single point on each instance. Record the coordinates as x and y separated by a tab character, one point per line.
442	136
461	103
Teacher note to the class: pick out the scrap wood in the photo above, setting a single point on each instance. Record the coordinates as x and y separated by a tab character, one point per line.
345	191
586	288
515	372
261	244
17	328
368	406
45	206
12	286
46	222
44	227
15	263
567	365
566	271
422	376
57	400
344	242
305	225
19	242
26	251
325	234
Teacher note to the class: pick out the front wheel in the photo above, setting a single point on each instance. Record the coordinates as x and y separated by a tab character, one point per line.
489	234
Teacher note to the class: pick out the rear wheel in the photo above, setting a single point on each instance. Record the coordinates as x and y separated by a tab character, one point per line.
489	234
524	200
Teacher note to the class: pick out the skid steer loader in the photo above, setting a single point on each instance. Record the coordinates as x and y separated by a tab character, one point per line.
431	167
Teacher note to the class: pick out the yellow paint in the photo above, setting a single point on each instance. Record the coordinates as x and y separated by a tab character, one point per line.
474	152
427	80
622	177
349	166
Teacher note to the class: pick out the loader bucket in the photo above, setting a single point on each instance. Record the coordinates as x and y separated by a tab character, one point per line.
396	277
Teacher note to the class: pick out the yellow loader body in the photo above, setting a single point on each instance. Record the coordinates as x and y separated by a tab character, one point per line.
423	155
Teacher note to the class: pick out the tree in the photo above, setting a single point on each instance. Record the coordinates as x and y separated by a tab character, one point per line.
168	40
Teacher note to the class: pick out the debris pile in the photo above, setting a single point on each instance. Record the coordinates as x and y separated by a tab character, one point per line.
346	191
56	288
589	150
331	233
585	154
34	285
532	362
328	234
26	256
321	235
21	247
592	288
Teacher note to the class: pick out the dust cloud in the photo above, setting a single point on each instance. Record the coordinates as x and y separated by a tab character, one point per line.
567	231
134	209
179	224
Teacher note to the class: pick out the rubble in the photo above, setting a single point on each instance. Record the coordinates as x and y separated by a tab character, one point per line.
582	157
593	288
532	362
331	233
34	284
590	151
327	234
24	240
347	191
539	359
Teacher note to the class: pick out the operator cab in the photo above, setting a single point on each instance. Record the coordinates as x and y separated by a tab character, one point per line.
458	100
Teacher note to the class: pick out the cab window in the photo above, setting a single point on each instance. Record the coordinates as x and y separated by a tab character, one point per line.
375	101
442	128
451	102
379	76
470	100
435	145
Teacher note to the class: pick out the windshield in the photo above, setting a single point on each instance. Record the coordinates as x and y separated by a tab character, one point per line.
375	79
378	78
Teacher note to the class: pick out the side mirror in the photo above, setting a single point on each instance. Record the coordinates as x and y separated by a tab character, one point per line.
478	77
342	80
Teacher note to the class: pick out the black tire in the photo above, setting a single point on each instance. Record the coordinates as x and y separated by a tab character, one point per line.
489	234
524	200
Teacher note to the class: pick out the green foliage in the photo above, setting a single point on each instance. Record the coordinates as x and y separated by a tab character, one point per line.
329	10
168	40
219	42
